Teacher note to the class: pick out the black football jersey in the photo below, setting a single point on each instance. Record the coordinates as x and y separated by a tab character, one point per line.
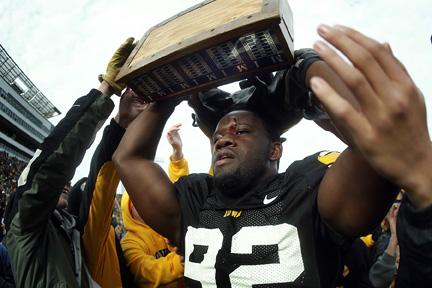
272	236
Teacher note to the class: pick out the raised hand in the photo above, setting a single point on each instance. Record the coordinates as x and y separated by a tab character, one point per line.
175	141
383	116
392	218
114	65
392	247
131	105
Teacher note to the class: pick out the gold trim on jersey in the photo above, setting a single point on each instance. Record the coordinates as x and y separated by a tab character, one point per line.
328	157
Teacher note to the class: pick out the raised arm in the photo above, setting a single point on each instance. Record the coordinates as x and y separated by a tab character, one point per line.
37	204
348	207
382	116
149	187
99	195
67	144
178	165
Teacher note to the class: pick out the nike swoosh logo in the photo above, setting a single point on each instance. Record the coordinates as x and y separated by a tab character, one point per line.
268	200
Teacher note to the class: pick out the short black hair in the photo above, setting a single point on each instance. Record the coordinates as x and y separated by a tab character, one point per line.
273	132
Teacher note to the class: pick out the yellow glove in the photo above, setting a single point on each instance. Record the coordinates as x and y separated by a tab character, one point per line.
115	64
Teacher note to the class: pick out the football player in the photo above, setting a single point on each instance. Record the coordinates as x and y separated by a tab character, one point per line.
249	226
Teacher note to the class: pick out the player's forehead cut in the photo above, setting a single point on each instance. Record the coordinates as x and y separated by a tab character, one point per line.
240	117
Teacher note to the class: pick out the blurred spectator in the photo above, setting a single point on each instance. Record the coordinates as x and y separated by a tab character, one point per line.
6	276
383	271
2	232
10	169
178	165
151	260
117	218
75	196
118	228
382	234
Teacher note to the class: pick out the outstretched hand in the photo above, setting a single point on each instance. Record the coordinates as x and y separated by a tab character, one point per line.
392	218
173	136
115	64
383	116
131	105
175	141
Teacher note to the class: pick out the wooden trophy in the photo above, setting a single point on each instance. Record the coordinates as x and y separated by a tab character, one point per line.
211	44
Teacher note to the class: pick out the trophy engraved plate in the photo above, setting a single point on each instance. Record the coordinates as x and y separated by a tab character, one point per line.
211	44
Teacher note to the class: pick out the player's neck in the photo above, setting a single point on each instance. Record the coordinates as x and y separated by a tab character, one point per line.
238	189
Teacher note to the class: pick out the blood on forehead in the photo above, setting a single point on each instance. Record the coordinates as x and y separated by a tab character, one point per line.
232	120
229	124
232	126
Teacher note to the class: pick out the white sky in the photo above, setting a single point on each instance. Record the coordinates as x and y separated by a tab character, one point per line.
63	45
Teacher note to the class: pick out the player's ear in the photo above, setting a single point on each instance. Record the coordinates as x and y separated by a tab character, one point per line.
275	151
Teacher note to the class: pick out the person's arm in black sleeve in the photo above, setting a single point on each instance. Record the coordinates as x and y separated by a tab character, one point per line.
102	156
6	284
383	271
414	227
37	204
48	146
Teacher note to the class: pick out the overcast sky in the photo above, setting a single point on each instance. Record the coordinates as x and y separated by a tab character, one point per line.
63	45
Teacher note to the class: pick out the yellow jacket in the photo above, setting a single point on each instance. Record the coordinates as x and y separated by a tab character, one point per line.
148	256
99	236
177	169
180	168
96	212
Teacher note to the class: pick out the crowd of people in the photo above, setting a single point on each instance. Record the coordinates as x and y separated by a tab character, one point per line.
359	218
10	170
